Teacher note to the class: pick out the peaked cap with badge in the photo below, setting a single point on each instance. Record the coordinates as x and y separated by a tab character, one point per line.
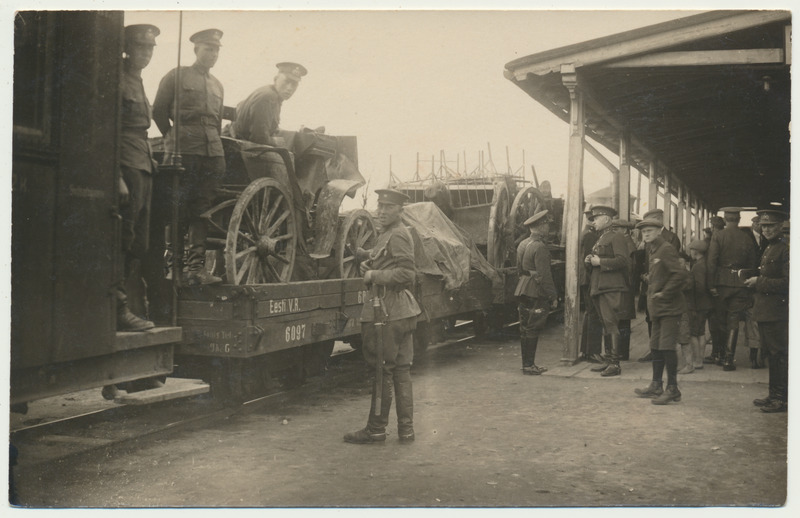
391	196
293	71
209	36
141	34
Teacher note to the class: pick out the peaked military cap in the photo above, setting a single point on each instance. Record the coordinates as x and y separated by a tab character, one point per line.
391	196
141	34
701	245
210	36
652	222
731	209
772	217
603	210
536	219
655	214
292	70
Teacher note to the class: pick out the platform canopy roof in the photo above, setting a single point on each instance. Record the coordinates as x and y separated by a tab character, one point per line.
706	98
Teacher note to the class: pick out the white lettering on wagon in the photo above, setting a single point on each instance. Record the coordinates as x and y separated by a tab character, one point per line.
295	332
284	306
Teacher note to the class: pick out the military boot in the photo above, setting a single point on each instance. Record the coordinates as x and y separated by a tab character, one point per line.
375	431
613	368
404	403
670	394
730	351
653	390
754	364
196	273
532	368
128	322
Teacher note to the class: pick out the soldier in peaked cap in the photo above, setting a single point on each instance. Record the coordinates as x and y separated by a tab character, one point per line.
390	266
200	145
731	253
666	303
535	290
609	263
771	309
669	236
258	117
628	309
136	168
592	327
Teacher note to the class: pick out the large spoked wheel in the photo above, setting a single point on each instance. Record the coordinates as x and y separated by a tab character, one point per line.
498	216
262	235
357	231
527	202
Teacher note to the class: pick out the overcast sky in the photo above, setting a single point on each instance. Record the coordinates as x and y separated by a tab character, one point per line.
403	82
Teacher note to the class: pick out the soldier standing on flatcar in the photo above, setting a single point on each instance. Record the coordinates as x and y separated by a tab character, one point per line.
259	115
200	145
136	165
535	289
771	310
731	252
390	266
665	280
609	281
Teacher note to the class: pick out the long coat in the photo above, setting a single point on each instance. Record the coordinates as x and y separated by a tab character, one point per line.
667	277
613	272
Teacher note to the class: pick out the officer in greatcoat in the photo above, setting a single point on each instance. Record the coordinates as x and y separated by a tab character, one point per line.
771	310
200	117
731	255
609	281
535	290
592	327
666	279
390	266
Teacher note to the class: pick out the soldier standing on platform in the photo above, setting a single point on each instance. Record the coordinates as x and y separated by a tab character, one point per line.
592	327
666	279
535	290
771	310
200	123
390	266
609	281
259	115
731	253
136	166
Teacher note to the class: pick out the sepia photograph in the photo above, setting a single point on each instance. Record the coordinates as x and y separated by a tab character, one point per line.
426	257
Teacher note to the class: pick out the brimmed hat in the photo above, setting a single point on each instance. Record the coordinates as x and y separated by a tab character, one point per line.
649	223
603	210
210	36
699	244
772	217
391	196
293	71
536	219
655	214
141	34
731	210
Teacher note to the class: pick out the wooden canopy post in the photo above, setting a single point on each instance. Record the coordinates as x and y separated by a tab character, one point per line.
638	192
652	193
679	224
572	216
667	201
624	179
688	218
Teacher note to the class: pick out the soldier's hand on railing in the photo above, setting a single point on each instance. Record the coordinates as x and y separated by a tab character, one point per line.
368	277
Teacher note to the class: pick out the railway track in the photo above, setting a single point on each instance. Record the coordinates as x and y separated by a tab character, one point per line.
61	438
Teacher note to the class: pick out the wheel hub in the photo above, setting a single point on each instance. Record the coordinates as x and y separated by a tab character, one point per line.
266	246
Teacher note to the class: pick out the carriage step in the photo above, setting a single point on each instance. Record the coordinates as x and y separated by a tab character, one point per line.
174	388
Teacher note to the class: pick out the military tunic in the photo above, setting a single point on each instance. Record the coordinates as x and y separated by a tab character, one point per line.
666	278
771	311
258	116
610	279
535	289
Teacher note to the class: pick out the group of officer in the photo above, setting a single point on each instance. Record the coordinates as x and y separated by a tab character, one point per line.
192	140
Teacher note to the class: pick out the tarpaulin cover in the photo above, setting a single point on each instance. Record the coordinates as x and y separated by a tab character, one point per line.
441	248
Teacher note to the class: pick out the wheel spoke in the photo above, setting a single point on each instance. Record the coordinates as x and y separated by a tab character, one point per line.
276	205
248	220
277	223
246	251
274	271
243	269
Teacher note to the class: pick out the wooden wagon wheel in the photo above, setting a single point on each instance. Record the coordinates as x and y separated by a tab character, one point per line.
356	231
527	202
262	235
498	216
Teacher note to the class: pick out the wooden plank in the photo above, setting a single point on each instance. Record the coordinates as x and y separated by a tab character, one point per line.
174	388
600	157
156	336
703	58
624	179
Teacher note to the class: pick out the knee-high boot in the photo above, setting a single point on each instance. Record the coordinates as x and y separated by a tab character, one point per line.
613	368
404	403
730	350
376	424
196	260
525	351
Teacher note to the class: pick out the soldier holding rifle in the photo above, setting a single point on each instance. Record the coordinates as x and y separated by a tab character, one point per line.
389	267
